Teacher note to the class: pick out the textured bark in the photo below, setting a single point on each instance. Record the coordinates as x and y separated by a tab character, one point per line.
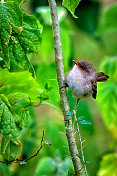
64	101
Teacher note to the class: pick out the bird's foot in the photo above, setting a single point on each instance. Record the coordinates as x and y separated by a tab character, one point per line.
64	85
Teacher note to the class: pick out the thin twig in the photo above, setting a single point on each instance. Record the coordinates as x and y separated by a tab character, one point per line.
76	104
81	146
63	95
22	161
41	146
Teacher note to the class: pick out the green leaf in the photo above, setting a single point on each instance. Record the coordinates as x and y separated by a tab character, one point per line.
7	126
107	95
48	44
20	34
88	16
5	100
47	163
108	165
53	128
44	14
22	118
84	122
107	30
66	43
9	150
71	5
20	85
16	1
49	77
108	19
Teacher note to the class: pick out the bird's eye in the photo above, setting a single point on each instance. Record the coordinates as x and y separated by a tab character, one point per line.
82	67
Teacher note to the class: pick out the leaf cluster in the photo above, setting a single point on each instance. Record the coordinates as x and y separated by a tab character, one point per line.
20	35
107	95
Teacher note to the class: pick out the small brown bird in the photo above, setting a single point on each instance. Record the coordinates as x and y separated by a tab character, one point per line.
82	79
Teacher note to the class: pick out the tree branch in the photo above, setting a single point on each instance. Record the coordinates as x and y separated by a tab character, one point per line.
22	161
64	101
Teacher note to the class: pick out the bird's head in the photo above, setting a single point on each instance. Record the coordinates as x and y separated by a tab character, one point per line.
84	66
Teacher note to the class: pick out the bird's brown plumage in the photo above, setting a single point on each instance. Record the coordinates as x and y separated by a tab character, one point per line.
100	77
82	79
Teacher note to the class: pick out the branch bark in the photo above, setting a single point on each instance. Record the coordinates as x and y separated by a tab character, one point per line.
64	101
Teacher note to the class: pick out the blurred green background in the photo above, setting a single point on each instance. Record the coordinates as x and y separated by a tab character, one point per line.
93	37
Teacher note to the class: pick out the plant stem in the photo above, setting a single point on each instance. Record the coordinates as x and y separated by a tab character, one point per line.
81	146
64	101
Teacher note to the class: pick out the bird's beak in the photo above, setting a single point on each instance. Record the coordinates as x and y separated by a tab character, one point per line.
75	62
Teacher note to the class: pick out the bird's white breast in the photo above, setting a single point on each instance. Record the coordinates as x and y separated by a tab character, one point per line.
79	85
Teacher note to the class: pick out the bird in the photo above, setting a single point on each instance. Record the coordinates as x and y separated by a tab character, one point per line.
82	80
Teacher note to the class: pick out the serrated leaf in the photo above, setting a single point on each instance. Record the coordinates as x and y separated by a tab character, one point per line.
107	95
18	85
1	112
20	34
5	100
9	150
24	117
71	5
7	125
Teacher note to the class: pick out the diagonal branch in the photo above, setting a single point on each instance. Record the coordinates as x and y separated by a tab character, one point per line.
64	101
22	161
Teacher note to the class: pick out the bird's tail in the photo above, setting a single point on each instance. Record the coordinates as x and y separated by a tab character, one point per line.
101	77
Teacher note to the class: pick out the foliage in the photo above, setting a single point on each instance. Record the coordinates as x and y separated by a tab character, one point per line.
107	101
71	5
20	84
9	150
108	165
107	93
92	36
88	13
20	34
14	113
54	167
107	30
108	21
43	14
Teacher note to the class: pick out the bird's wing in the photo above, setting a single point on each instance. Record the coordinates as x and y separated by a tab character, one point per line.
94	89
101	77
